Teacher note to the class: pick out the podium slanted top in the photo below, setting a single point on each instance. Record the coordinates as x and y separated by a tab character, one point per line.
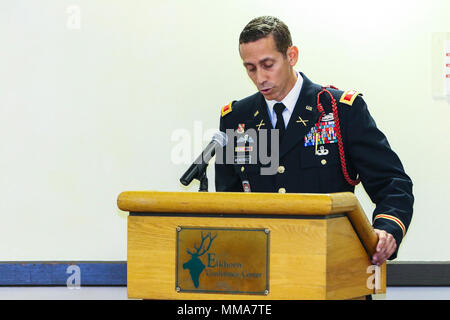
238	203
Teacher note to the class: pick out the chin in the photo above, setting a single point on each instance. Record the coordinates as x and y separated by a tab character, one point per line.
268	96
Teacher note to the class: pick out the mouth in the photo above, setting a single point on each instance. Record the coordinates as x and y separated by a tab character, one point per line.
265	91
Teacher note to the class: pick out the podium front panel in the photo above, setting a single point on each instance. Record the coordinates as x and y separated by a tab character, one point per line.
308	257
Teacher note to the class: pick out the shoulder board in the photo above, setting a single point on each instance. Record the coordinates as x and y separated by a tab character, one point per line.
349	96
226	109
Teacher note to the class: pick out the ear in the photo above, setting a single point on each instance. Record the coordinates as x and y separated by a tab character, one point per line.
292	55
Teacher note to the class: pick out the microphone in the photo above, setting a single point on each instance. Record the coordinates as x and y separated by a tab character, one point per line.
219	140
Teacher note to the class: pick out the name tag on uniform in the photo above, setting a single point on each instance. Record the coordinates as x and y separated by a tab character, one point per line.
242	159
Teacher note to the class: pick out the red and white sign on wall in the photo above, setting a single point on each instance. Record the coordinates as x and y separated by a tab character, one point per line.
447	68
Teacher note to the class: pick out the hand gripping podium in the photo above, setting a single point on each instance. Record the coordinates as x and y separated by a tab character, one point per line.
250	246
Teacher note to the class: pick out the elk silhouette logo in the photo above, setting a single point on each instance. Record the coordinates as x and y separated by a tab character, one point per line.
195	265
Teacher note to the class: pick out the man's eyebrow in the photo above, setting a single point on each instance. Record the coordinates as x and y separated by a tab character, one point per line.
260	61
265	60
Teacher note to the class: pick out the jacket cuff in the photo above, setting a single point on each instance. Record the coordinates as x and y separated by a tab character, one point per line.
392	225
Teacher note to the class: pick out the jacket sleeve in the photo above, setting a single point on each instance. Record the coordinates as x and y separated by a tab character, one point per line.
226	178
381	173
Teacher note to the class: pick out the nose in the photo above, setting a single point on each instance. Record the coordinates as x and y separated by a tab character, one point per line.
261	76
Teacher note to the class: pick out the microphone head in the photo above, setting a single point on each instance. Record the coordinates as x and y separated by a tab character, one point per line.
221	138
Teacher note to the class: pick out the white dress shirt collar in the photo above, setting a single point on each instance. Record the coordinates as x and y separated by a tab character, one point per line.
289	101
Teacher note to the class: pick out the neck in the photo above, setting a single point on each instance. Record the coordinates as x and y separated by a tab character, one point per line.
290	84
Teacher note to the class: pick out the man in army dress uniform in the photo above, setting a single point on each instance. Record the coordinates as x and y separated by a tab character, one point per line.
328	141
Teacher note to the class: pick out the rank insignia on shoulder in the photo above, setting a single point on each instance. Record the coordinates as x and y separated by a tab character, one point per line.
226	109
349	96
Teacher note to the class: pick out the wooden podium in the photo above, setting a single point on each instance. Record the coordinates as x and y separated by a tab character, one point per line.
251	246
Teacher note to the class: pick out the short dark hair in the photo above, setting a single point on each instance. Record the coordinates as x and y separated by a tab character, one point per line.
264	26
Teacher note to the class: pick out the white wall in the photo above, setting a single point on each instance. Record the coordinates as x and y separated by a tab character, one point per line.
87	113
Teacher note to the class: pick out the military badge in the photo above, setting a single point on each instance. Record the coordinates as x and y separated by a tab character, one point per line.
326	132
241	128
322	151
243	149
349	96
328	117
244	139
260	125
300	120
226	109
246	186
321	133
310	138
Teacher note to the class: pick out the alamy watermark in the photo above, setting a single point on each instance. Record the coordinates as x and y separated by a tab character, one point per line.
374	280
243	147
74	280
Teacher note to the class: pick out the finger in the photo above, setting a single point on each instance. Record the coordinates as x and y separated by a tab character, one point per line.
379	258
387	251
380	245
375	258
392	246
381	240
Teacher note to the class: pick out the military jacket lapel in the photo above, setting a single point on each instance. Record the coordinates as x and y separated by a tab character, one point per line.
304	116
260	115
